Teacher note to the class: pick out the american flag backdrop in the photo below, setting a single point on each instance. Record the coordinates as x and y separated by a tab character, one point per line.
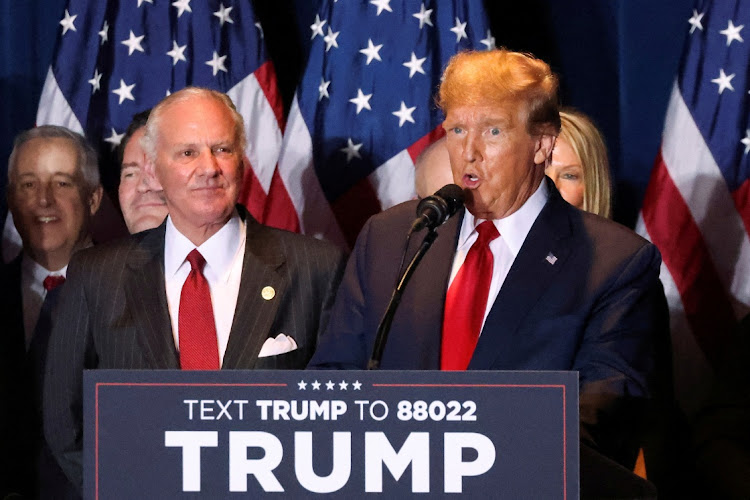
696	207
116	58
365	109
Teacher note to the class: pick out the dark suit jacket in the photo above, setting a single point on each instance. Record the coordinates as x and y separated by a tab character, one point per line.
114	315
26	464
597	309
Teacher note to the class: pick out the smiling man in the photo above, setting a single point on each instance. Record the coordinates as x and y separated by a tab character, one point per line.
520	279
142	203
210	288
53	192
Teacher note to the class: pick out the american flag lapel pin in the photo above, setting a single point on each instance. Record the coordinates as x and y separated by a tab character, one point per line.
551	259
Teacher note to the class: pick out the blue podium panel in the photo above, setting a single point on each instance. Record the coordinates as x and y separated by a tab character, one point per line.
302	434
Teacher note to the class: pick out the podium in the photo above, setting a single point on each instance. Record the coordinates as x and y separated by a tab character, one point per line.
342	434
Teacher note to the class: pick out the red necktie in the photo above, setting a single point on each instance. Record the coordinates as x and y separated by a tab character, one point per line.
199	349
53	281
466	301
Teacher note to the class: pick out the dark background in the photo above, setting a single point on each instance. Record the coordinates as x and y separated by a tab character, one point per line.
617	60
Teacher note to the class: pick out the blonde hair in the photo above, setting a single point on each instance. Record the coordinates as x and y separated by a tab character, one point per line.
497	76
588	145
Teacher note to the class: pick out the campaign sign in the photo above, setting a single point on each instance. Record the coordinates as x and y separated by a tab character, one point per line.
302	434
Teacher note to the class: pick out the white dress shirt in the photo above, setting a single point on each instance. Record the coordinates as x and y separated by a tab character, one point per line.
513	231
33	292
224	253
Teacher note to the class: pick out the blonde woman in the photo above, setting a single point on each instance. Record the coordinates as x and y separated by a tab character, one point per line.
579	165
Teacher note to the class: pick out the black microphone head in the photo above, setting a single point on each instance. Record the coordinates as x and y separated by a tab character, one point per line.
453	196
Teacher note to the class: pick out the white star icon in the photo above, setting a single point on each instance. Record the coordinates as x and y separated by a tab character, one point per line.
372	51
330	385
125	91
330	39
177	53
133	43
695	21
489	41
114	139
140	2
96	81
316	386
351	150
343	385
732	33
323	89
67	22
317	27
382	5
423	16
415	65
362	101
746	141
302	385
460	30
223	14
104	33
357	385
404	114
723	81
217	63
260	28
182	6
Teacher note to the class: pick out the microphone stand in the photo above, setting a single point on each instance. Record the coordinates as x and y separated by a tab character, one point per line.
385	324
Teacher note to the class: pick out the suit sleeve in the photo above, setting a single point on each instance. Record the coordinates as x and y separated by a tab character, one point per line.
69	353
343	345
621	361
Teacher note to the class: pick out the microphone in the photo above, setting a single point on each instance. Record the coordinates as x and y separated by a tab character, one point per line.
438	208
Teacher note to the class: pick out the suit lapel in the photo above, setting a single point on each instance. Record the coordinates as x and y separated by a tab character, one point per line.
256	309
542	256
146	296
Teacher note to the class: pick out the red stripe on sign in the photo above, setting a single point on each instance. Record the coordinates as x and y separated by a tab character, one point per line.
742	203
673	230
266	76
279	210
433	135
353	208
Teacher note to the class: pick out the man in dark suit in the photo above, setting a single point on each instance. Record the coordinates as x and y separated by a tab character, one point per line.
520	280
53	192
258	296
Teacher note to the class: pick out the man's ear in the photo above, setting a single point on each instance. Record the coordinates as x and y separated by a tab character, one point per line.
95	199
544	145
149	170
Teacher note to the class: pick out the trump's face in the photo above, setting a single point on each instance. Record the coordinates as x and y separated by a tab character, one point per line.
141	201
49	200
493	157
198	165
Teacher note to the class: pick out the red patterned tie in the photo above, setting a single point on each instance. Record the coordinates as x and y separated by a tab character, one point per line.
199	349
53	281
466	301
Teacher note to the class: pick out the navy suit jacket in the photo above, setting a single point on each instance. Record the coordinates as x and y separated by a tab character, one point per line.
113	314
595	306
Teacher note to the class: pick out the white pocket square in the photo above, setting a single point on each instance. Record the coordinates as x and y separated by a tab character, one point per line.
276	346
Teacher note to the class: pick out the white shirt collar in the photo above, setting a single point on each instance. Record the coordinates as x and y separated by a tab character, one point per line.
515	227
218	250
38	272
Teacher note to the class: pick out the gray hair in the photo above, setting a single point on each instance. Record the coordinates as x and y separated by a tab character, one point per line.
88	162
154	120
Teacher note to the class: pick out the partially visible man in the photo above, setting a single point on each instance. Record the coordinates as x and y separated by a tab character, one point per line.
142	204
432	170
520	280
53	192
209	288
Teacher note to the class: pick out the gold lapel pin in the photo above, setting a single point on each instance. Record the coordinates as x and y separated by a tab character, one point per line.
268	292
